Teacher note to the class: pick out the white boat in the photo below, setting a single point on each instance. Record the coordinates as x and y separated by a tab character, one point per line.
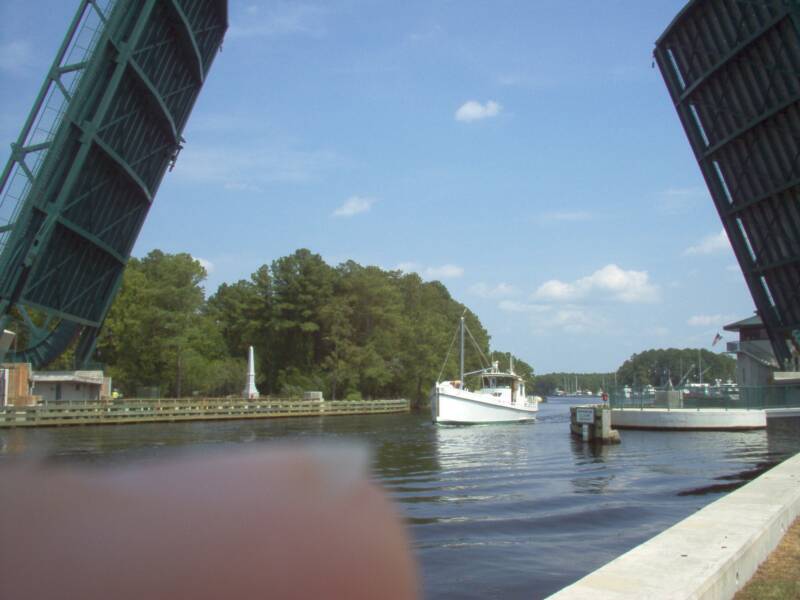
501	397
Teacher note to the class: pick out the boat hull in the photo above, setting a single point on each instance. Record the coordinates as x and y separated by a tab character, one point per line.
465	407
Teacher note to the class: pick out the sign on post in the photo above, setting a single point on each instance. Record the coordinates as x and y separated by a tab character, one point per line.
584	415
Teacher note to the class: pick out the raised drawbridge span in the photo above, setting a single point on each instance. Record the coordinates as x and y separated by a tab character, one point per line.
83	173
733	71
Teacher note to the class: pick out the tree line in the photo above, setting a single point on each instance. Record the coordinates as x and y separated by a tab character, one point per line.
654	367
349	331
676	365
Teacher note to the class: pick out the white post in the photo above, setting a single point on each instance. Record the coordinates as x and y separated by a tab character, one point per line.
250	390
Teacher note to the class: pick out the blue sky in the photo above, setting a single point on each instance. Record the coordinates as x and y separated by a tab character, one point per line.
525	153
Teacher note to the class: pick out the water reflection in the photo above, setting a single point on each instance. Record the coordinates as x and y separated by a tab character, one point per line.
592	475
587	452
13	442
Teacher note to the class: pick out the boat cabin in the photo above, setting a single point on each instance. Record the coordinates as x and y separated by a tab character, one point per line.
505	386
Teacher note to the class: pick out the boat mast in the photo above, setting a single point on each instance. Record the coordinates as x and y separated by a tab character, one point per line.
462	352
700	365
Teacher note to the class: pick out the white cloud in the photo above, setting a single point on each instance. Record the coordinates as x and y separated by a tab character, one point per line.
474	111
282	18
566	216
556	290
353	206
610	282
425	35
711	244
676	201
498	291
575	320
253	166
658	331
526	80
512	79
446	271
16	56
735	268
407	267
523	307
708	320
240	186
569	318
206	264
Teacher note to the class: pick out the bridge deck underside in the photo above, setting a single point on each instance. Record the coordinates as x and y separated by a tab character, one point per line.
119	133
733	71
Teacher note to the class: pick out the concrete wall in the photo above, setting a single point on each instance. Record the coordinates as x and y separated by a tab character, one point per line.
688	418
711	554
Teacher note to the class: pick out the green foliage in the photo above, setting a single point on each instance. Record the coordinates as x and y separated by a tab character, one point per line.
655	367
651	367
349	331
158	334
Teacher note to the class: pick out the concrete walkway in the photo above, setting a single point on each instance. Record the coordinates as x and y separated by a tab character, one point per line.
711	554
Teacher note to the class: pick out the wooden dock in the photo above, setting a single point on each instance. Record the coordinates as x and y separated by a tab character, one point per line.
171	410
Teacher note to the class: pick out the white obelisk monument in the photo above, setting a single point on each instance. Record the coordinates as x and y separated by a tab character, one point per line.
250	390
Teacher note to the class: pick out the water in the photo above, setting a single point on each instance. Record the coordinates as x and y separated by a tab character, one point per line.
495	511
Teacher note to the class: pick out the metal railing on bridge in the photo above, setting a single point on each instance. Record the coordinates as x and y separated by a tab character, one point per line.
721	397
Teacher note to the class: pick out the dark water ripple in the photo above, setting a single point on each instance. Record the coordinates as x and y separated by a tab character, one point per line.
499	511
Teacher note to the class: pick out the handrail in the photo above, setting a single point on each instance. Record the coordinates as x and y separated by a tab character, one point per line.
187	409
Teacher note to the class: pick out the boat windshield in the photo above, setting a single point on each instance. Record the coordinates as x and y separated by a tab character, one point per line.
496	382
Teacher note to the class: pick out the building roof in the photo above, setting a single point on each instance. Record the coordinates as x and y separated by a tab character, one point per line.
754	321
88	377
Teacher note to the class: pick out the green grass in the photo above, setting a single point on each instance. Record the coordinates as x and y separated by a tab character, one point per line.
778	577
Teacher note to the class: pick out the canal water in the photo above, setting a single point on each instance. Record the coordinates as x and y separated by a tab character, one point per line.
494	511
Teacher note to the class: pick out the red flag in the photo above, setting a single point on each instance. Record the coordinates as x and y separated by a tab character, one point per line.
717	338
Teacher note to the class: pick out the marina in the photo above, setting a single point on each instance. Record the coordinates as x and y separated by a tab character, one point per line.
529	508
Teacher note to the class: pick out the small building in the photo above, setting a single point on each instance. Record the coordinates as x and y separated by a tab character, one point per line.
755	360
71	386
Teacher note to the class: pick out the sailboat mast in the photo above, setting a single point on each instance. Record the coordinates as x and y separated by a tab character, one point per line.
462	352
700	365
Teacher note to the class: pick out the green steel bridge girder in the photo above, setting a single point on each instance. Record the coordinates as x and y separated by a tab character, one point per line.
64	246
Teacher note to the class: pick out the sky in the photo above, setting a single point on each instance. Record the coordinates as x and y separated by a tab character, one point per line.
525	153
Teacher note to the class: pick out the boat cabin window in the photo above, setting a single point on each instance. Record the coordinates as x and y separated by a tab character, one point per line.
497	382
